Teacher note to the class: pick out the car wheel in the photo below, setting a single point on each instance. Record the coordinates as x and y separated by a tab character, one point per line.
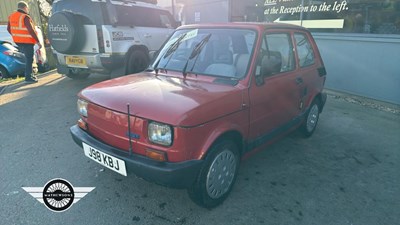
311	119
71	37
137	62
76	75
3	73
217	176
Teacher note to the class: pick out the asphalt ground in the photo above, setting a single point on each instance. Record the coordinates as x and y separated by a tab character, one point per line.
348	172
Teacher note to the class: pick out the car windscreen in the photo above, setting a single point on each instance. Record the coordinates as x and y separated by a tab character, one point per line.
214	52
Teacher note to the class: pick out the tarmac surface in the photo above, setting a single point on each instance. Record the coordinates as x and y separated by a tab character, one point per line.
348	172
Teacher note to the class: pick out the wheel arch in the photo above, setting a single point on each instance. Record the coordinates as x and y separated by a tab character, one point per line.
312	98
8	72
137	47
233	135
318	97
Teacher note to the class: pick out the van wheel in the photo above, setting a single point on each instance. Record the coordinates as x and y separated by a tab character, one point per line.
77	75
70	40
217	176
311	119
137	62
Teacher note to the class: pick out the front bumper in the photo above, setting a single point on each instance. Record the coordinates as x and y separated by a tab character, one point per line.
176	175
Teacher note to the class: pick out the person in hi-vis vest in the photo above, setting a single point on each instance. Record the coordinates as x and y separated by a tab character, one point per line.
22	29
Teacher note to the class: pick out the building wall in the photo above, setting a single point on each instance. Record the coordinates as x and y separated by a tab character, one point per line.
365	65
9	6
206	11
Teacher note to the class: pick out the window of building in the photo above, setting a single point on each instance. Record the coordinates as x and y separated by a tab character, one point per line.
338	16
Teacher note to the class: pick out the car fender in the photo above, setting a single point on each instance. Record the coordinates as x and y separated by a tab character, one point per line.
234	128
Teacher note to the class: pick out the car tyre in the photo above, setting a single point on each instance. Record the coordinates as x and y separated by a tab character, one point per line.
137	62
71	40
4	73
311	119
217	175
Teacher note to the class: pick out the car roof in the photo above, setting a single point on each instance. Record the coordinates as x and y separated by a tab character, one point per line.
244	25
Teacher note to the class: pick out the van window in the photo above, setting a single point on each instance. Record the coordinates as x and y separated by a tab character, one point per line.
96	14
142	17
305	52
166	20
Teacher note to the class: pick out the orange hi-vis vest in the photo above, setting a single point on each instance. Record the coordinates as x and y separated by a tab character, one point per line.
19	32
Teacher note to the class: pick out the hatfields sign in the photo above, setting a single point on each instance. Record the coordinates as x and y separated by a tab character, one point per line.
285	10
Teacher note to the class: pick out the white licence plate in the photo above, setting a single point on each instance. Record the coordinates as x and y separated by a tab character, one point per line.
104	159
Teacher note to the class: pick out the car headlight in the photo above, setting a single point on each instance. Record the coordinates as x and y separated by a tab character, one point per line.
160	133
82	107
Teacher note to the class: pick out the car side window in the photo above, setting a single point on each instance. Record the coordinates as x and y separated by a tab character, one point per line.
166	20
305	53
143	17
276	54
280	43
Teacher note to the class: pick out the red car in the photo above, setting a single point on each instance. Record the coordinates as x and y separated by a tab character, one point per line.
214	94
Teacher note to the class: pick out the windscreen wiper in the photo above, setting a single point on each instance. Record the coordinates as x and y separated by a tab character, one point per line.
195	54
171	49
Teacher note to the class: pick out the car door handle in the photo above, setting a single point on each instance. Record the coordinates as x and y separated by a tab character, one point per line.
147	35
299	80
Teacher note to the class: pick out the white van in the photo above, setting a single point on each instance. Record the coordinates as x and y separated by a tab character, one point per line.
106	36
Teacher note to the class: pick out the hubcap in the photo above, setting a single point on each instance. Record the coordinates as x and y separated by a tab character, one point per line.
312	118
221	174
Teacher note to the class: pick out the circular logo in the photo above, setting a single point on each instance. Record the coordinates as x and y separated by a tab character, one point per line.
58	195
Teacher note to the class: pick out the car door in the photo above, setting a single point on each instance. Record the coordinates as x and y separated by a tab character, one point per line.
275	95
308	71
